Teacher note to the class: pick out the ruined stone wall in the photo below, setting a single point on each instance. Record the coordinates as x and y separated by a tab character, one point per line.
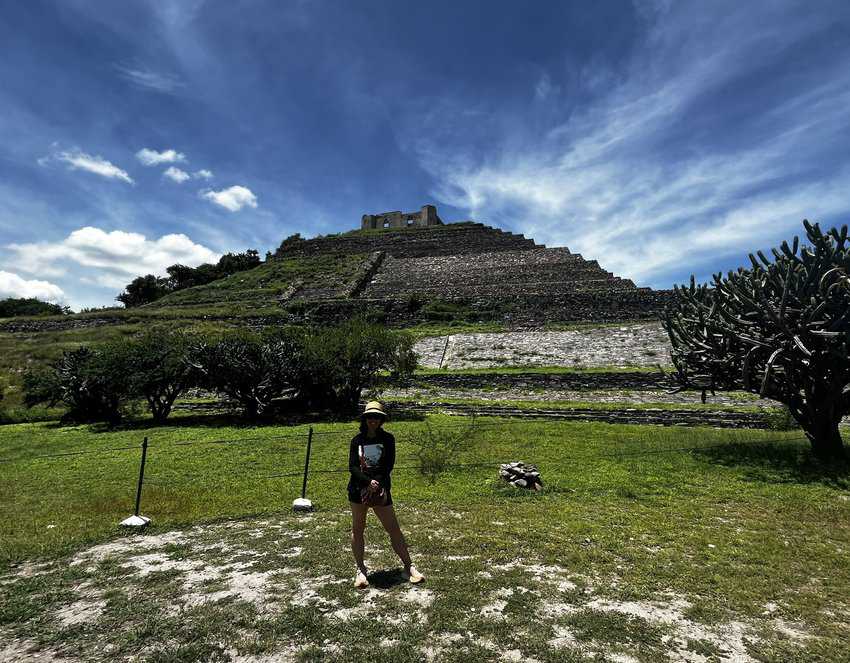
427	216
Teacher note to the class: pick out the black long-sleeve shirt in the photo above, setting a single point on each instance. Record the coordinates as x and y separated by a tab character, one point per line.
379	468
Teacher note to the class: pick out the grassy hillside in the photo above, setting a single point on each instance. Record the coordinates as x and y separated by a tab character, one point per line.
263	285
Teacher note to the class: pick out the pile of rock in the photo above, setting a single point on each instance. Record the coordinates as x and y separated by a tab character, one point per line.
521	475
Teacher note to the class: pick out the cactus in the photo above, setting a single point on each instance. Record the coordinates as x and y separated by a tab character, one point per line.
780	328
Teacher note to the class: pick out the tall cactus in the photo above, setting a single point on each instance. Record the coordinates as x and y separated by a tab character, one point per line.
780	329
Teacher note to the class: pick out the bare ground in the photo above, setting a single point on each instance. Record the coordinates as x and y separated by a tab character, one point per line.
236	582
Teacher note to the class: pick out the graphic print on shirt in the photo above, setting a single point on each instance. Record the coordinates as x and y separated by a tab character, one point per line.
372	453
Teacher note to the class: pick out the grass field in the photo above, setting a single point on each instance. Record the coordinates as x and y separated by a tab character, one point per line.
647	544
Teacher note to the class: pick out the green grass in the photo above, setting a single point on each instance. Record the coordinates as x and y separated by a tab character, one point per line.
261	286
726	521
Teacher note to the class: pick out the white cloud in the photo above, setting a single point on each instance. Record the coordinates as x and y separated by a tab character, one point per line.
203	174
153	158
151	80
176	175
112	258
12	285
233	198
621	180
78	160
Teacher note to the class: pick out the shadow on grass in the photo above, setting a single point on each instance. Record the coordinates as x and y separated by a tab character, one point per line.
778	462
386	579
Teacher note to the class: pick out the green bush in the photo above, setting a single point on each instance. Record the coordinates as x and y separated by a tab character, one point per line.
91	384
158	368
340	362
436	451
11	307
252	369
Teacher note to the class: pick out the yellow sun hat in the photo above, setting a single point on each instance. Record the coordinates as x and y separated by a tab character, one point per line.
374	407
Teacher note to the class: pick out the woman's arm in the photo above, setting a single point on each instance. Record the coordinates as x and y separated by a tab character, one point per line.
354	462
389	454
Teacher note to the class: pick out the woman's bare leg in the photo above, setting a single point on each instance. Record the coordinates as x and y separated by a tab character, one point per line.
358	526
386	514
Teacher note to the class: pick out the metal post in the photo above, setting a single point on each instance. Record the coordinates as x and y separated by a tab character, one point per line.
302	503
307	463
141	474
136	520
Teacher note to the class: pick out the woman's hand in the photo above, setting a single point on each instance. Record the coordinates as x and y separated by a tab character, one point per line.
374	485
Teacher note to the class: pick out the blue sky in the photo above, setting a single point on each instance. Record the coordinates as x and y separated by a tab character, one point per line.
660	138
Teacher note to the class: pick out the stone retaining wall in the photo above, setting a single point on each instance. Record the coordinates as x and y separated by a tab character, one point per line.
576	381
647	416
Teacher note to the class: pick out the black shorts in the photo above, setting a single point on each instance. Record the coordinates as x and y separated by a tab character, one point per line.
354	496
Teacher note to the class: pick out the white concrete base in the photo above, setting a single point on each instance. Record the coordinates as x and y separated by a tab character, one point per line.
302	504
135	521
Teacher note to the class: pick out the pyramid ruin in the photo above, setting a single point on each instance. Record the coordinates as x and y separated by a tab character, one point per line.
414	258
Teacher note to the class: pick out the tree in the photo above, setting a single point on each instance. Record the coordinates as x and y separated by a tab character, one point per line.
180	277
251	368
230	263
90	383
340	362
780	329
158	368
143	290
12	307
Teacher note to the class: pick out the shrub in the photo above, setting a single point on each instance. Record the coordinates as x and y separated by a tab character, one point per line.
158	368
436	451
340	362
91	384
12	307
252	369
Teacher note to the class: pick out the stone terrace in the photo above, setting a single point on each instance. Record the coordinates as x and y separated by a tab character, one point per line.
454	238
502	275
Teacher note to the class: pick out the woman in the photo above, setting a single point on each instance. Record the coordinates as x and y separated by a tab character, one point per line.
371	456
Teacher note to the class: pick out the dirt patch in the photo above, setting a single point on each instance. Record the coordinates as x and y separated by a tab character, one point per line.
259	567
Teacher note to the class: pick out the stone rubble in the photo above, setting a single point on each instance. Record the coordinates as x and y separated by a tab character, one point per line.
520	475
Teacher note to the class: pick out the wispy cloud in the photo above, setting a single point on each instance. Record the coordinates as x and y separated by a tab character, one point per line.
233	198
153	158
648	177
112	258
203	174
79	160
176	175
12	285
151	80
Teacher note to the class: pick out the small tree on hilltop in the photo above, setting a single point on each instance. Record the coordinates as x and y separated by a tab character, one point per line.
780	329
143	290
